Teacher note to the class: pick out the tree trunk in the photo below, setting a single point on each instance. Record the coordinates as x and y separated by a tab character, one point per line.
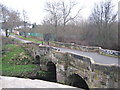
6	31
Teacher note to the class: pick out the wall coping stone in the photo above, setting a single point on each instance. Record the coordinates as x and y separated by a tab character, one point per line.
14	82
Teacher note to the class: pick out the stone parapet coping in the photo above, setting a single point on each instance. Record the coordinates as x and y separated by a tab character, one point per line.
14	82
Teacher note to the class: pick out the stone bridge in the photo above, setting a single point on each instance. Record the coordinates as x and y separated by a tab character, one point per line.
75	70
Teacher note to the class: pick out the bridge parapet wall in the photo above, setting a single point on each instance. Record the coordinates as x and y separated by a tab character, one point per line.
87	48
96	75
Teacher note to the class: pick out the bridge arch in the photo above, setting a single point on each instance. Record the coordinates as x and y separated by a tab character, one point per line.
51	67
77	81
37	59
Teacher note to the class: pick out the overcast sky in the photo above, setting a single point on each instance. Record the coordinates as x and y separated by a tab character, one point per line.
35	8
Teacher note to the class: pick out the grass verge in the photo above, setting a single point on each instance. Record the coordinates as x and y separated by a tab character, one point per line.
30	39
16	62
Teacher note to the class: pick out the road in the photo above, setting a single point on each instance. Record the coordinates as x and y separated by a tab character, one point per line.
95	56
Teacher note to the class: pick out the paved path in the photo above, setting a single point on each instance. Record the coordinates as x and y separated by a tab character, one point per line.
95	56
24	41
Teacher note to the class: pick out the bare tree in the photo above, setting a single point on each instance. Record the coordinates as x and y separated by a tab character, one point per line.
25	19
10	18
5	15
102	18
67	12
53	8
61	12
14	19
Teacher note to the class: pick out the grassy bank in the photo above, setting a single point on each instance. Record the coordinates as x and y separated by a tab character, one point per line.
16	62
